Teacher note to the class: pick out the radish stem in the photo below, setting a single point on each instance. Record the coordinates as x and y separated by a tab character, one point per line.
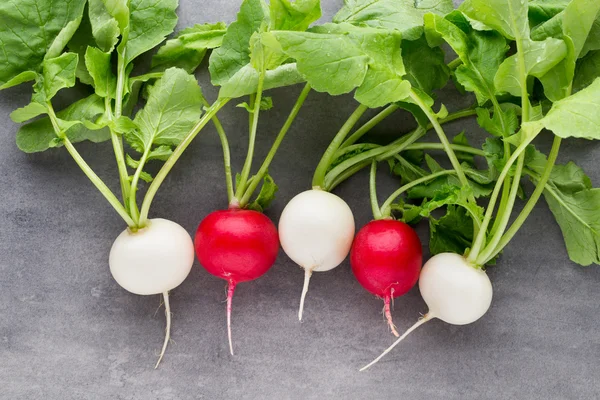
307	275
167	330
328	156
360	132
426	318
388	315
373	191
230	291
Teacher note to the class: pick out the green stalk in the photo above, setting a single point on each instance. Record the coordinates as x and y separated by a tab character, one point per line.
539	189
284	129
226	152
87	170
328	156
241	188
117	139
373	191
460	174
439	146
347	168
504	213
386	207
133	208
168	165
360	132
457	62
505	191
480	238
503	217
346	174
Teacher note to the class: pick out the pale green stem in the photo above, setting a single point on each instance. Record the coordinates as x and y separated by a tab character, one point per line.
328	156
360	132
284	130
373	191
133	208
241	188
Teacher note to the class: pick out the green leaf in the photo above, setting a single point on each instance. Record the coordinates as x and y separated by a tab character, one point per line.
57	73
481	53
577	115
79	43
266	194
161	153
573	25
245	81
28	112
99	67
575	205
502	124
461	139
28	28
451	233
105	27
63	37
539	57
400	15
337	58
119	10
188	48
587	70
425	66
293	15
173	107
150	22
541	11
234	52
36	136
266	103
509	17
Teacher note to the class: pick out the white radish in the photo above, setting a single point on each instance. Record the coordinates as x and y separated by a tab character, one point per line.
455	292
153	260
316	230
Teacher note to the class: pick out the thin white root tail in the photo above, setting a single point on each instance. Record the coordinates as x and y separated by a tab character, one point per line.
388	315
307	275
167	329
230	291
426	318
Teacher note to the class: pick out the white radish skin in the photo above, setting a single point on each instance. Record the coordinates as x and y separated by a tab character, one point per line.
316	230
153	260
455	292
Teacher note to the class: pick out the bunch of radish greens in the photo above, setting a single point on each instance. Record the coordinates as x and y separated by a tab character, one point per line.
531	66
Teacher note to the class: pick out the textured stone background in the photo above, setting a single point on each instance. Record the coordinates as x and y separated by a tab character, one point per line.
68	331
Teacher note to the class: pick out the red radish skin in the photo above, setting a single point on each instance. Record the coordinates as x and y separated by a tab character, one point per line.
236	245
386	258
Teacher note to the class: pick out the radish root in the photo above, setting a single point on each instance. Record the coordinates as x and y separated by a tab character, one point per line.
388	315
230	291
167	330
307	275
426	318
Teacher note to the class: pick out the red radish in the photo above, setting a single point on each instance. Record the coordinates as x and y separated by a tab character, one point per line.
386	259
236	245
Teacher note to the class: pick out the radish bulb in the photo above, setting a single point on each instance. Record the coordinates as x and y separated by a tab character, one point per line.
153	260
386	259
236	245
316	229
455	292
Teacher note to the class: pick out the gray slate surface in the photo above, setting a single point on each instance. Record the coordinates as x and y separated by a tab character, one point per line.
68	331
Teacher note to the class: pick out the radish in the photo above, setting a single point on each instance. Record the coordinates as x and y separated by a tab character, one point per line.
455	292
386	259
316	229
236	245
153	260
